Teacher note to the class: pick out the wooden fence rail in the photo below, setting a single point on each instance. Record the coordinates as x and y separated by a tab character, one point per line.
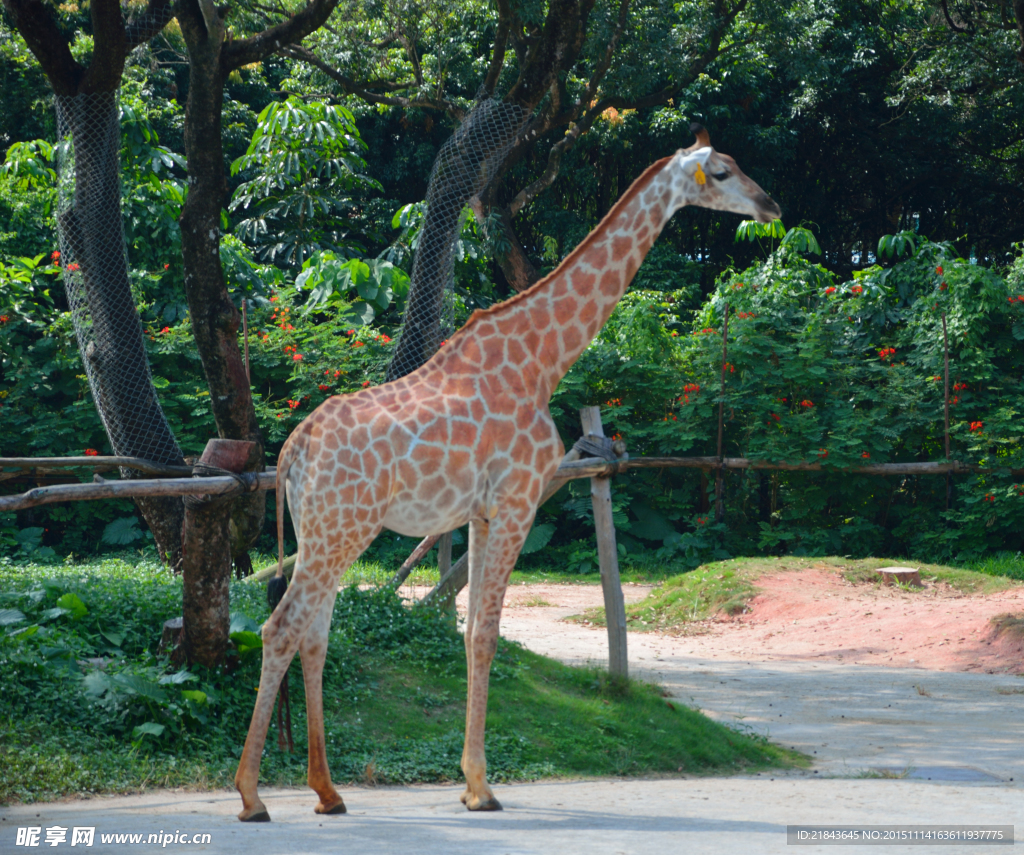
588	467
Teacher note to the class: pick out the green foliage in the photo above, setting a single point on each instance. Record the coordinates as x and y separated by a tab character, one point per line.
92	706
305	166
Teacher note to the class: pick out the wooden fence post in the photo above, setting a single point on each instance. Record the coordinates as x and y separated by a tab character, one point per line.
945	351
608	556
444	567
720	472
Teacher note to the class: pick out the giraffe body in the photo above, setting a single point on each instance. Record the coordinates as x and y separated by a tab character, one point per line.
465	439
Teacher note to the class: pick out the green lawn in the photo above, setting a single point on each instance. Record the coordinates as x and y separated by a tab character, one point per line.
394	684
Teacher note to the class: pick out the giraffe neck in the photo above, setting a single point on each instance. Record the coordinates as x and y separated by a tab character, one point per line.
542	332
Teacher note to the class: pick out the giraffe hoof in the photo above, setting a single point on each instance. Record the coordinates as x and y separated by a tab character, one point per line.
256	815
474	803
465	795
332	808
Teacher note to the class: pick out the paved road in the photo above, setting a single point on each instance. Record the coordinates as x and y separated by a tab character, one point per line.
953	742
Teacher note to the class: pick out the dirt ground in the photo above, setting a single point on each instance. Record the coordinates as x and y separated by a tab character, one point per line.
812	614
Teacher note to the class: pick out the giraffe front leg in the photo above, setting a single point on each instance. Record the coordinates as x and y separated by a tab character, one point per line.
493	549
313	650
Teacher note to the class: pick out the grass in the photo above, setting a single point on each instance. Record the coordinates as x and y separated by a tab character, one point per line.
394	689
680	603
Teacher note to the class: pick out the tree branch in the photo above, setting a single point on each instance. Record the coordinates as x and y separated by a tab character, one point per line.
259	47
35	22
363	90
149	23
500	42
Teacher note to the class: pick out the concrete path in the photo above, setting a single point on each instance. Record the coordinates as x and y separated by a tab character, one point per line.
696	816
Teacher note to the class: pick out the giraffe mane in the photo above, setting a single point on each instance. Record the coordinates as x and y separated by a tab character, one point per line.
634	189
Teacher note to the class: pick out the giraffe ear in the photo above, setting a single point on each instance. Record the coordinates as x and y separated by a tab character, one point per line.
700	132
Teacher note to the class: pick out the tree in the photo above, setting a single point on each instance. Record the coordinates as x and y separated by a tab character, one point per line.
96	273
565	66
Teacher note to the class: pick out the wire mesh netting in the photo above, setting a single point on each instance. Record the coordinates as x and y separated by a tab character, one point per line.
464	167
93	254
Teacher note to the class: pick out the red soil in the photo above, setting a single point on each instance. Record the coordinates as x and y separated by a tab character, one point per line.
816	614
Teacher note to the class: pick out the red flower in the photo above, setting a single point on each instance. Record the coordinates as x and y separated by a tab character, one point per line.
856	289
886	352
292	404
165	330
939	270
55	256
384	338
807	403
976	426
822	452
959	387
729	367
691	387
674	333
288	347
989	497
780	400
954	400
357	344
865	455
830	290
774	416
366	383
4	319
443	343
350	332
323	387
297	357
273	299
73	267
166	266
1020	298
943	286
701	520
91	452
337	374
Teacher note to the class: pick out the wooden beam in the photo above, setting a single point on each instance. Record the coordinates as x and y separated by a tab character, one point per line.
415	557
95	462
607	556
588	467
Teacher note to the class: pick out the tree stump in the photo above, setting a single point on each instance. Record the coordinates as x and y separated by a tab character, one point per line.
171	635
901	575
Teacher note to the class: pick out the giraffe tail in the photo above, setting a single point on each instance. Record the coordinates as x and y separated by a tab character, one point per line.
278	584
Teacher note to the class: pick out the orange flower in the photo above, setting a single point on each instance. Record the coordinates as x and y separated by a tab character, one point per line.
73	267
939	270
976	426
4	319
297	357
91	452
807	403
856	289
366	383
273	299
865	455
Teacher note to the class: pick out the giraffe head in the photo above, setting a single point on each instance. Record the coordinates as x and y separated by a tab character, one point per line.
710	179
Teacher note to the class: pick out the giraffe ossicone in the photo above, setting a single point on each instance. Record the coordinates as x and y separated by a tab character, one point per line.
465	439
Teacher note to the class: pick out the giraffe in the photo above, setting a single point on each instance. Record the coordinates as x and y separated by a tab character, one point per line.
466	438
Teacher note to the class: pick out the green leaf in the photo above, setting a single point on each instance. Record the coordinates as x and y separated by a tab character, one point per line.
194	695
177	678
140	686
72	605
122	532
10	617
96	683
149	728
115	638
650	525
246	642
242	623
538	538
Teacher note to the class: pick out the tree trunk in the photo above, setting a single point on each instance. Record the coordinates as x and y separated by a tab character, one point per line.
215	320
514	262
99	294
206	562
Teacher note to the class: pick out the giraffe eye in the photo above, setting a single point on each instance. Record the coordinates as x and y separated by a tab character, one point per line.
720	176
